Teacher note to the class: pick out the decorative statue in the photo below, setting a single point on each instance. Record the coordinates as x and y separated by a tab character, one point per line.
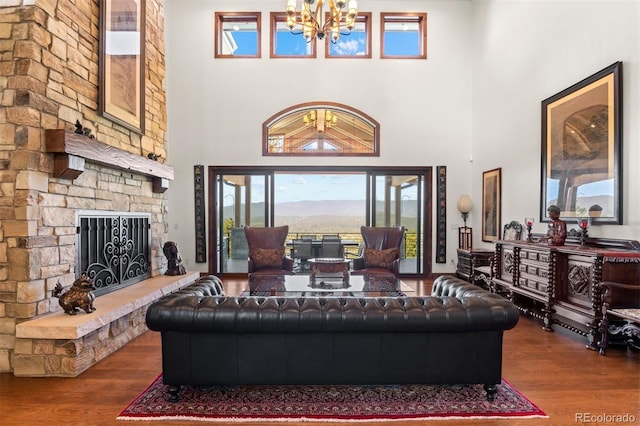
78	296
83	130
557	231
174	265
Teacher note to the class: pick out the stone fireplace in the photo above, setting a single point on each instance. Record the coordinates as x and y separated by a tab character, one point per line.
50	176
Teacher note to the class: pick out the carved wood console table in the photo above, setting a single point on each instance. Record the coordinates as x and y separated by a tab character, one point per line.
558	284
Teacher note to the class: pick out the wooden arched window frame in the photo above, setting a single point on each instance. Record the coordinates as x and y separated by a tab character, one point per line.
320	129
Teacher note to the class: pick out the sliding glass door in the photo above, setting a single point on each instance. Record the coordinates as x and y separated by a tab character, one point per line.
397	200
315	202
241	202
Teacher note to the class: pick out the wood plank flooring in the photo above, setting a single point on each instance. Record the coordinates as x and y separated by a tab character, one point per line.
554	370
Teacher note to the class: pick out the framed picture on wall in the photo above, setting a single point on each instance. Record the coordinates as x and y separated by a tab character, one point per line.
581	149
122	43
491	204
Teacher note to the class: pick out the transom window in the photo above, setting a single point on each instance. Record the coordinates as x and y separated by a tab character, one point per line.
403	35
284	44
355	45
237	34
326	129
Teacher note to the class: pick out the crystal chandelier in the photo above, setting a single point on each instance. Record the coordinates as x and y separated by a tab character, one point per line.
313	23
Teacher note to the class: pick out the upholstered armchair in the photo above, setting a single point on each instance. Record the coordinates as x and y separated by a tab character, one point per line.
267	250
381	253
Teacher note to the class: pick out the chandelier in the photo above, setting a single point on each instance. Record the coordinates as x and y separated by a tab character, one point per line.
321	119
313	23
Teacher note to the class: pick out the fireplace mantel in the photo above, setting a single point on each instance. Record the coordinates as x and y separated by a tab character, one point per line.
72	149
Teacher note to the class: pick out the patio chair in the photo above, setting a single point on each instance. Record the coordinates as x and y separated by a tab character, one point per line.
331	248
266	250
301	252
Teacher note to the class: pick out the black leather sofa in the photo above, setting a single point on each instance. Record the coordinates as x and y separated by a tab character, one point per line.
453	336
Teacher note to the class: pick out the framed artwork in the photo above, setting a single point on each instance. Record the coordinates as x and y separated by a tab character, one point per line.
581	149
122	42
491	204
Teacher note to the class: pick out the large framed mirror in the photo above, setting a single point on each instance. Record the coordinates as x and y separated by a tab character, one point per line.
320	129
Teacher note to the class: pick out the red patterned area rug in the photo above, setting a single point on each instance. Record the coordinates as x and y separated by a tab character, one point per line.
325	403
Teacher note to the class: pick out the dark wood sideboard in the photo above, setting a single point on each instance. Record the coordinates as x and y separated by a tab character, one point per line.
557	284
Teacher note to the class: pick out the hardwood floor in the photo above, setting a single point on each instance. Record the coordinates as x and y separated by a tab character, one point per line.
554	370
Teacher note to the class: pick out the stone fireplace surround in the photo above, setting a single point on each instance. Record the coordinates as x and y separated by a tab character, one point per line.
50	81
58	344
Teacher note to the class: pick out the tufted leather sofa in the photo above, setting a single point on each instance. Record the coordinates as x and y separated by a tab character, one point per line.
453	336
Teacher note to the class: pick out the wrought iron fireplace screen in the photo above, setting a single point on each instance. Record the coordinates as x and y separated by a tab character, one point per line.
113	249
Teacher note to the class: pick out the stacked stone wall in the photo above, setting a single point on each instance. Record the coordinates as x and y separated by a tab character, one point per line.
70	357
49	76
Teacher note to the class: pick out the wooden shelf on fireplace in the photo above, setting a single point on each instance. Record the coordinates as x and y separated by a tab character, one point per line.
72	149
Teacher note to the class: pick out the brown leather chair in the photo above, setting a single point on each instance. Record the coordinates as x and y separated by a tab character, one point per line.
267	250
381	254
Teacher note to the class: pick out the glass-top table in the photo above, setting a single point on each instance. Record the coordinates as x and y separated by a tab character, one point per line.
326	285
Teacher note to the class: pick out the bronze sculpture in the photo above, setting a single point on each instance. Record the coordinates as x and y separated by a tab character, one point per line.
78	296
174	265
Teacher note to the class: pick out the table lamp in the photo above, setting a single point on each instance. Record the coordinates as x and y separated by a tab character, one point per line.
464	233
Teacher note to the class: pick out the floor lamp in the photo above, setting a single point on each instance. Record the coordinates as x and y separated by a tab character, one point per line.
464	232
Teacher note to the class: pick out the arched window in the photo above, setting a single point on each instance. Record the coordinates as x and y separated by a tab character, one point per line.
321	129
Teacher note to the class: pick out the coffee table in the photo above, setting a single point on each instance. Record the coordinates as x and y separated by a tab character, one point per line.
303	286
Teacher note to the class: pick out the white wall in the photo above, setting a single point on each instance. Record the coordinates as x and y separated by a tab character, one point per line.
527	51
216	106
477	96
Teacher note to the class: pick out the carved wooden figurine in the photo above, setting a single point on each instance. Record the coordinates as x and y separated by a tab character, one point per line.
78	296
557	232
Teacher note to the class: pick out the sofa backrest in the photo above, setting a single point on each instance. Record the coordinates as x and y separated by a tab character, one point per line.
473	311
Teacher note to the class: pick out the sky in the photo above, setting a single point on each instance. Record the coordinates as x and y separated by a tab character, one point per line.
320	187
309	187
396	43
